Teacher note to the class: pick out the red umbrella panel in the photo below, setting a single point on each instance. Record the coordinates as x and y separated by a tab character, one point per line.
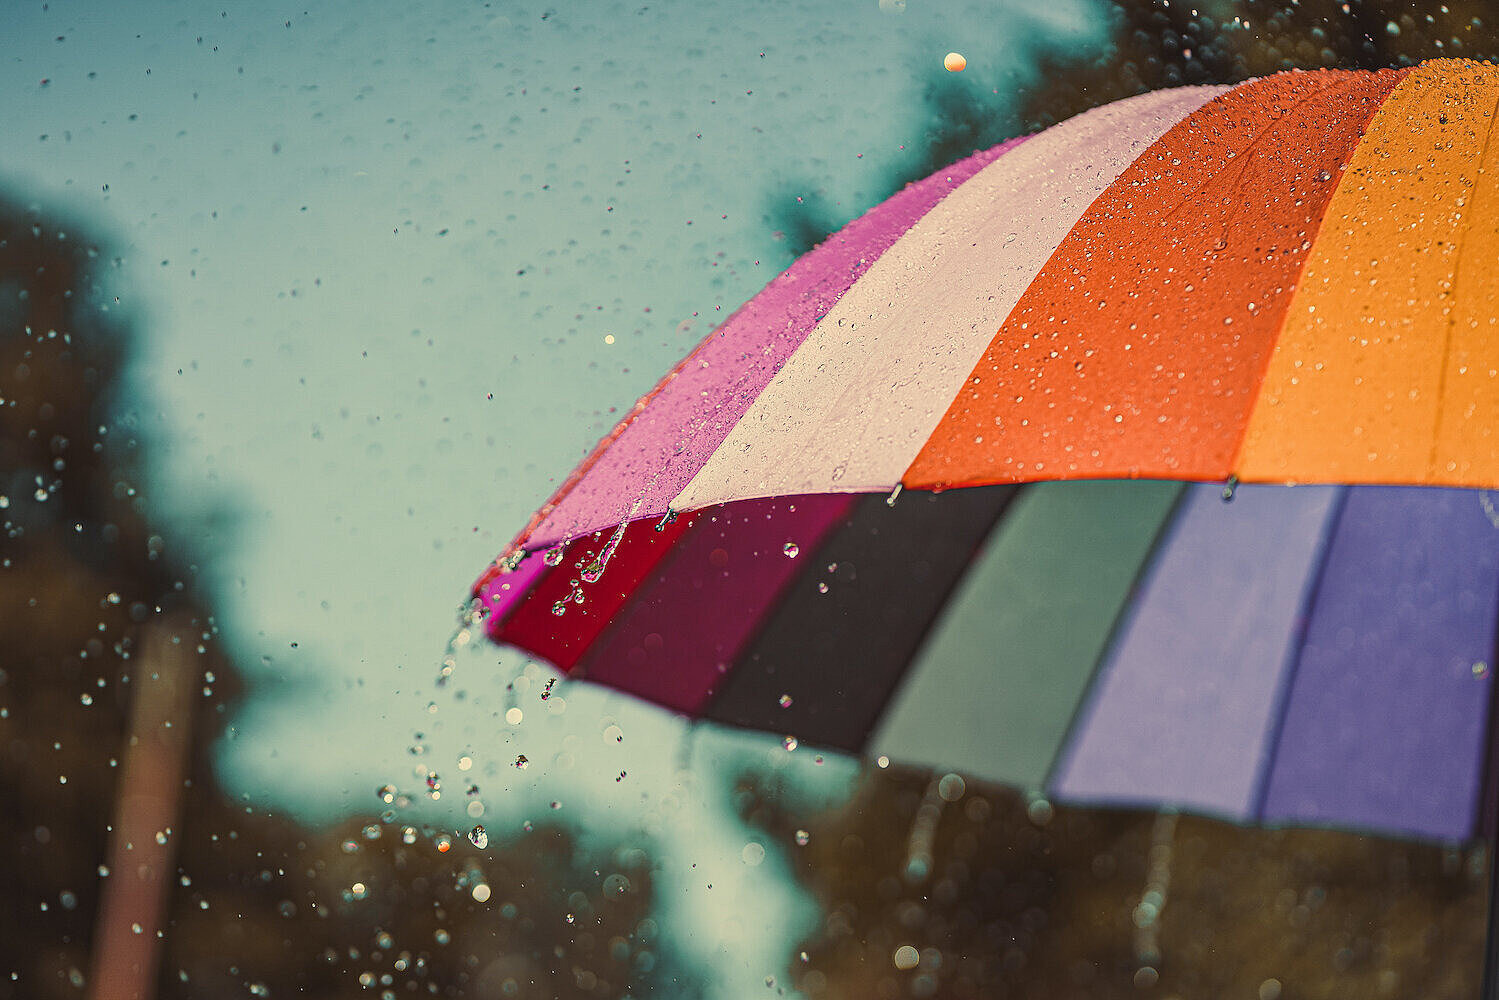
1285	281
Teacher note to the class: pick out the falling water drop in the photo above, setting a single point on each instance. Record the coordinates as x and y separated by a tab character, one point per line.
1229	487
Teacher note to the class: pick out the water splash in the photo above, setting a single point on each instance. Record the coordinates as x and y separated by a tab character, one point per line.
595	569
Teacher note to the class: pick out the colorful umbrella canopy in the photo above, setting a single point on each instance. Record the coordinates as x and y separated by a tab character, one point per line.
1287	281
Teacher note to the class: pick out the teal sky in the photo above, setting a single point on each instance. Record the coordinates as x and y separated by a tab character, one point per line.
374	253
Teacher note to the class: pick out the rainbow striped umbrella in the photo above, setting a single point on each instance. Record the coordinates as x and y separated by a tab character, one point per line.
1290	281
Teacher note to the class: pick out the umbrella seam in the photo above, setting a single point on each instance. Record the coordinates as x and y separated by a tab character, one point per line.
1167	525
1297	648
1451	320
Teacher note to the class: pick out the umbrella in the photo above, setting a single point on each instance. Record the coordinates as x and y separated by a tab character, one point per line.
1289	281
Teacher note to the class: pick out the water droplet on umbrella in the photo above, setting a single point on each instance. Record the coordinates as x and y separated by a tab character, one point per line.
553	556
443	843
521	763
479	838
822	587
1324	176
1480	670
1229	486
894	495
386	793
906	957
785	701
803	838
791	550
614	733
789	743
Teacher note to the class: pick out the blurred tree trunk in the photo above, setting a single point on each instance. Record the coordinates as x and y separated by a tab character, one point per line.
146	816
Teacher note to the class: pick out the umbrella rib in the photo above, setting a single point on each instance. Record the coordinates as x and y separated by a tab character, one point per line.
1488	820
1070	730
1450	323
1298	643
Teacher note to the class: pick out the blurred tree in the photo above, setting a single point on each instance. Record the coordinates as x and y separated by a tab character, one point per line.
937	887
122	856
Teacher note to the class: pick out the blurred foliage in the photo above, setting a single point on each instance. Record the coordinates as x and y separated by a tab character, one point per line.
1155	44
996	894
255	905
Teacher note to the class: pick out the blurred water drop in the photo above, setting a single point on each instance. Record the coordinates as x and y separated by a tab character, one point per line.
791	550
479	837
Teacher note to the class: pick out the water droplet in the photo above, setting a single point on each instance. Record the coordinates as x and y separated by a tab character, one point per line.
553	555
822	587
803	838
479	838
894	495
789	743
521	763
613	733
480	892
906	957
443	843
1480	670
1323	176
785	701
1039	811
513	716
1230	485
791	550
464	763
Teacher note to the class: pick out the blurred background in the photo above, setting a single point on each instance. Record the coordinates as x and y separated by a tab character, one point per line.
304	310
